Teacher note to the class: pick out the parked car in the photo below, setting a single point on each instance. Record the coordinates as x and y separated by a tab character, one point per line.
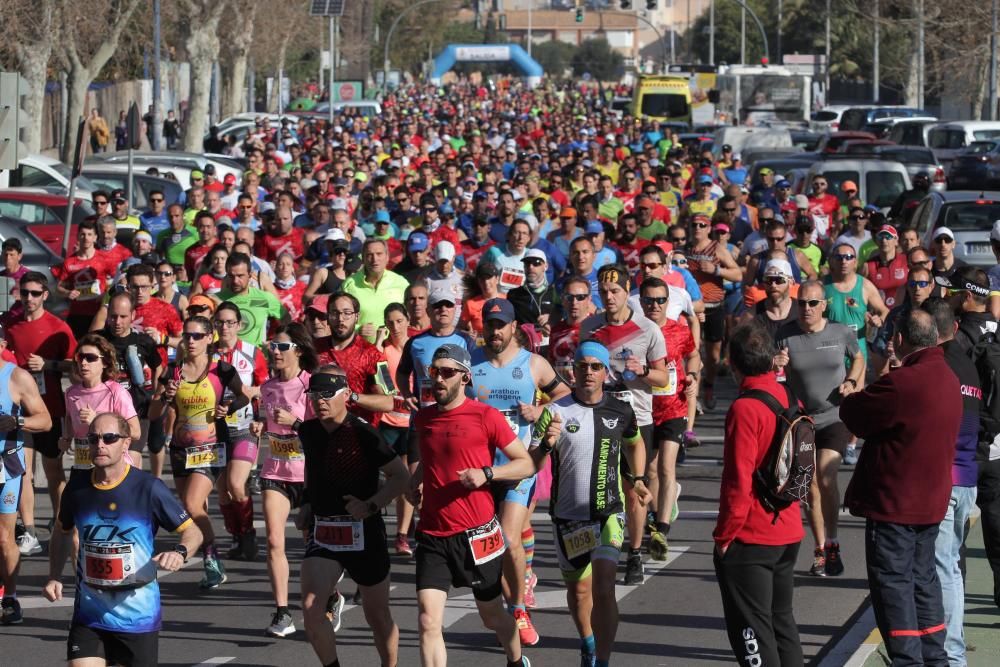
912	131
366	108
916	160
879	182
969	214
806	140
38	256
881	127
827	119
947	140
179	163
741	138
857	117
45	212
832	142
114	177
41	171
781	166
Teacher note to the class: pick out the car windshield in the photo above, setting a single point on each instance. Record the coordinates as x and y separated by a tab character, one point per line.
82	182
663	105
979	135
884	187
979	147
970	216
947	138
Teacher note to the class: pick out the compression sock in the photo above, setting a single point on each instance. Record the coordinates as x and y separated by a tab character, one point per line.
662	527
587	644
283	610
244	515
230	519
514	607
528	542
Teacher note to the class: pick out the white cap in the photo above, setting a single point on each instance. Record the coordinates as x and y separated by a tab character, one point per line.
995	234
444	250
778	267
335	234
801	201
944	231
516	194
535	253
528	218
339	204
266	206
439	294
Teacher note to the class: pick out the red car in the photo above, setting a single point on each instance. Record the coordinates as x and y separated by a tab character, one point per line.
832	142
45	212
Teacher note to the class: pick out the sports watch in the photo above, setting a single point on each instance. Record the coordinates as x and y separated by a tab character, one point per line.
182	550
488	471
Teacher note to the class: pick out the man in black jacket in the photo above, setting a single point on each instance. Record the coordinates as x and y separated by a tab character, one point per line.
536	300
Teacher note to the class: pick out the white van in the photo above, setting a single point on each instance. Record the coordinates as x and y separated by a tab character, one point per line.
948	139
743	137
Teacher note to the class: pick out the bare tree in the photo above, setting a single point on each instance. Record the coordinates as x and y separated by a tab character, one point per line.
91	30
200	26
234	72
32	22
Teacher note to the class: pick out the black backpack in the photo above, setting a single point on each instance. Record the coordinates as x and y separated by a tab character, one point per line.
985	354
788	469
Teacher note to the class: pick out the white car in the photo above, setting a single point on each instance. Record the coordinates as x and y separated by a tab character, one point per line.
827	119
40	171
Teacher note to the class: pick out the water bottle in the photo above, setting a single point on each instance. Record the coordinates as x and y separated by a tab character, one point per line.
134	365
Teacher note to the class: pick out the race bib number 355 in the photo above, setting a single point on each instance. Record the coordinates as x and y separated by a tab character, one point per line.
108	564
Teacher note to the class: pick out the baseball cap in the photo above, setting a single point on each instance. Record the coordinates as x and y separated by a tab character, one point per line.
848	185
439	295
801	201
446	209
944	231
966	278
720	227
418	241
567	212
535	253
487	270
593	349
229	179
726	148
319	303
778	267
888	229
338	204
118	195
594	227
498	309
782	184
736	157
444	250
456	353
995	232
197	173
382	217
210	169
766	170
644	202
335	234
201	301
704	178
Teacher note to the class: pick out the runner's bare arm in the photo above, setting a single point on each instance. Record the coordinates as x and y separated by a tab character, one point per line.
36	415
520	465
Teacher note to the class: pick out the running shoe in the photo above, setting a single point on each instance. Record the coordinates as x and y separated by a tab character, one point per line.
281	624
834	564
588	659
530	580
851	455
248	545
235	550
818	568
215	573
253	483
403	547
525	628
698	407
708	398
633	569
29	545
658	548
690	440
675	510
11	612
335	610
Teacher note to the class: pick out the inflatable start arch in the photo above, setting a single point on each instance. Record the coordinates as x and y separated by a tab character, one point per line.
487	53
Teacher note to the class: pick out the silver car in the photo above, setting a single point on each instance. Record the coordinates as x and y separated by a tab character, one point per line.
969	214
879	182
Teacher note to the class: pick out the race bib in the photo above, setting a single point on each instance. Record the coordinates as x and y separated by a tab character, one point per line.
670	389
286	447
511	278
579	538
426	392
625	396
822	223
81	454
339	533
89	290
486	542
209	455
108	564
513	417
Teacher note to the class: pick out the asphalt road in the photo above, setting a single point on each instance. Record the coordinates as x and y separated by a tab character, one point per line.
673	618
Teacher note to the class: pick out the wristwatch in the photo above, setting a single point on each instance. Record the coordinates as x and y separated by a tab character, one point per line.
488	471
641	478
182	550
373	508
20	421
354	397
296	425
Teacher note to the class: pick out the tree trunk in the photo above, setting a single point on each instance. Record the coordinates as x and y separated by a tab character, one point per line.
202	46
77	82
234	86
274	100
34	62
982	82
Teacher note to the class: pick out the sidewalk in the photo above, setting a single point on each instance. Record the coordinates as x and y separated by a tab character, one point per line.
982	618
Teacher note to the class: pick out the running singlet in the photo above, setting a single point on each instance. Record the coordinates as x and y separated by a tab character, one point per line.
888	278
504	388
464	437
848	308
638	337
712	291
195	404
563	341
12	452
251	366
586	482
669	401
419	352
88	277
285	460
117	589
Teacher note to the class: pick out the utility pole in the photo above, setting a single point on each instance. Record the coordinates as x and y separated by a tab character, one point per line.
711	32
690	37
530	5
826	82
157	81
875	56
333	63
777	55
743	35
920	54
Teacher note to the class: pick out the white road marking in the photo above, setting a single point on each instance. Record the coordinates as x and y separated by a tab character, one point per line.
855	647
216	661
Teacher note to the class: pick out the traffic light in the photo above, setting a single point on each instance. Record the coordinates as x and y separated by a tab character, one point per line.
12	118
579	11
650	5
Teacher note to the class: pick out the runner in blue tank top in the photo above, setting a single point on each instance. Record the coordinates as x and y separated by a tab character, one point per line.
21	409
506	377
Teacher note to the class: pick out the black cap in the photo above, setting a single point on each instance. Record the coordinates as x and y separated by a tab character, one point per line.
209	169
968	278
118	195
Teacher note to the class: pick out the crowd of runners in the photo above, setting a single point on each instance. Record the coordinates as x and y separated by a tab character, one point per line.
480	301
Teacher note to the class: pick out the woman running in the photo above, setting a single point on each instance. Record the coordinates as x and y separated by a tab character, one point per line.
194	391
235	503
212	272
283	408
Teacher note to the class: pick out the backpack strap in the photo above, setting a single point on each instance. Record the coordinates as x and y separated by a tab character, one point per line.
767	399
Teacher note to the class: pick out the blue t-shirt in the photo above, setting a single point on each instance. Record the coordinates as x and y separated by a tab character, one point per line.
419	353
154	224
116	576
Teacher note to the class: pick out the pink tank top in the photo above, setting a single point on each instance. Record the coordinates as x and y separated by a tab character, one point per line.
285	460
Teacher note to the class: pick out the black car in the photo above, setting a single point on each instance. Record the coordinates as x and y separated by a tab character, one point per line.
978	166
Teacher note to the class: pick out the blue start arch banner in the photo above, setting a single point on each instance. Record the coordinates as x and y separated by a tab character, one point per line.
487	53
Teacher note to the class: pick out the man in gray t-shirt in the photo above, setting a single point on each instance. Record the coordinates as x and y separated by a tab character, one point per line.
822	363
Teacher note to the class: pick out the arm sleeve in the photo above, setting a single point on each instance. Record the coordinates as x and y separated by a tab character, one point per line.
631	433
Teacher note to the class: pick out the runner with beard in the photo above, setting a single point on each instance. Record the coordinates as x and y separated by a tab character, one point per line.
577	306
505	376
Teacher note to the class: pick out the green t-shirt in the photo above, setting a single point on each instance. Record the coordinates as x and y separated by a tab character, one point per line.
172	245
655	228
256	306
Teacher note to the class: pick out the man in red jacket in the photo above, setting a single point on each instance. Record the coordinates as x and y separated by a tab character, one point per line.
754	550
910	420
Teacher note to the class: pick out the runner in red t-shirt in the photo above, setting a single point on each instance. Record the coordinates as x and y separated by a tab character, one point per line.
83	278
565	334
114	253
281	237
459	538
208	236
628	244
824	209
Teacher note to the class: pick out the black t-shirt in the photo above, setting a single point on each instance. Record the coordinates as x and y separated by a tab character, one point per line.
149	356
772	326
345	462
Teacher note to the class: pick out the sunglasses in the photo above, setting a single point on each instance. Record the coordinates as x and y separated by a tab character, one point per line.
944	240
885	236
282	346
729	210
89	357
156	200
811	303
776	239
164	274
652	265
36	293
699	225
857	217
678	262
589	365
107	438
678	239
445	372
919	283
843	258
100	202
650	300
195	335
534	261
324	395
577	297
775	280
